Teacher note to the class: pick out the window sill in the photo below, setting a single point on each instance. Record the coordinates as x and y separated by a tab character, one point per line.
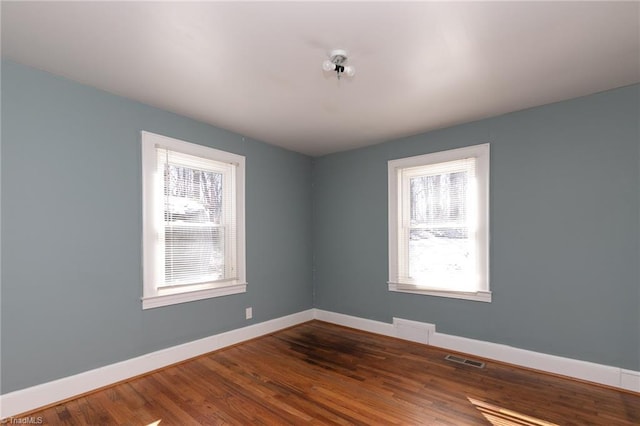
478	296
190	296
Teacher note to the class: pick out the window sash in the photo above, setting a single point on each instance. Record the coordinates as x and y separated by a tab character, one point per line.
461	281
189	266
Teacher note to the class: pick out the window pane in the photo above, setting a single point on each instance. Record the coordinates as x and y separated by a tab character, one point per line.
194	231
193	254
439	199
440	248
441	257
194	194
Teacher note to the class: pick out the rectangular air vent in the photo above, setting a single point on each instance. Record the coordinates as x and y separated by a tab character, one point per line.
465	361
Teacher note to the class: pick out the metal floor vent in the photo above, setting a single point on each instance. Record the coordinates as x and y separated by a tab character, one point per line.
466	361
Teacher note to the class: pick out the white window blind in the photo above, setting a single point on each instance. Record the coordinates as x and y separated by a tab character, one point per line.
198	231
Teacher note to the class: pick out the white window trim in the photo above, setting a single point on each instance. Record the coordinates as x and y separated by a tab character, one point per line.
481	153
152	296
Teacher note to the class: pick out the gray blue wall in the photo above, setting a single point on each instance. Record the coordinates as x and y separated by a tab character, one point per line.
564	231
565	234
71	231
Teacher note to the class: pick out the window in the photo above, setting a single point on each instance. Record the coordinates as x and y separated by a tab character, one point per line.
193	222
439	224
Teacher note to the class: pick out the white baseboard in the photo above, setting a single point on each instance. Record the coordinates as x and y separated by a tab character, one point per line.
29	399
583	370
363	324
426	333
630	380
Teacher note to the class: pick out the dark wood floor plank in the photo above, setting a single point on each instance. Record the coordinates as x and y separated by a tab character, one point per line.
320	374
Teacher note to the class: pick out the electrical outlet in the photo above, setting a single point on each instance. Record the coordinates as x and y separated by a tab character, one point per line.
248	313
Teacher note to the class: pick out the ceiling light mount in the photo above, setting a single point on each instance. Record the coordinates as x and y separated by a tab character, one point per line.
337	62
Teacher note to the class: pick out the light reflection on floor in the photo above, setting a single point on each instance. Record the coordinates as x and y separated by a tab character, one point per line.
499	416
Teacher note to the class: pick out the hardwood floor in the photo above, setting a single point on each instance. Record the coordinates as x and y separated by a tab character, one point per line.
318	373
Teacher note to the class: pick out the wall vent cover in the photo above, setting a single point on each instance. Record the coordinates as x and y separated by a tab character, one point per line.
465	361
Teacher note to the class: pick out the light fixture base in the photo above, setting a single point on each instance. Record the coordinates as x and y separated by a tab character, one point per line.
338	56
337	62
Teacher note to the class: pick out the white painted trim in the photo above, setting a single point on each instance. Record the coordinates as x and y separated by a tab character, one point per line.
355	322
399	171
415	331
578	369
34	397
478	296
152	246
630	380
172	299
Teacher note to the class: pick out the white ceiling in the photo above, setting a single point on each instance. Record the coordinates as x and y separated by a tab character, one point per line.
255	68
